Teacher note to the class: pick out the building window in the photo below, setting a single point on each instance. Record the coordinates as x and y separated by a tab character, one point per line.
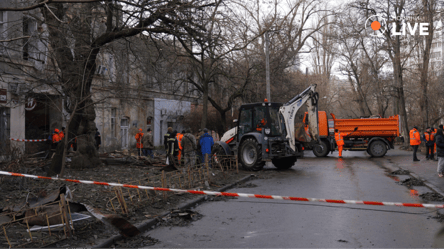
25	41
3	29
113	122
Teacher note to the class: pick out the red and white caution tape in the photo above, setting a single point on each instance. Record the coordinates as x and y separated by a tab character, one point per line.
276	197
28	140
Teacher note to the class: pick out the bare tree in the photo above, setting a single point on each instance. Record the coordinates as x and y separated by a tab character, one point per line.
77	31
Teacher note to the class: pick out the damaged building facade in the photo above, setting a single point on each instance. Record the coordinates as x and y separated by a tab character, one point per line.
139	86
30	103
138	83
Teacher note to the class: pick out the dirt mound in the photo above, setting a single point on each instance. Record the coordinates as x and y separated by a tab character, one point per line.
400	172
432	197
412	182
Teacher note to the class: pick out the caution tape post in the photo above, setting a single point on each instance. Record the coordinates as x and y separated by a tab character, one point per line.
199	192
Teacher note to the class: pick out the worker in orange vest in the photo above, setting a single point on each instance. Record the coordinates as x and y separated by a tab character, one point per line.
429	137
179	137
62	133
139	145
339	137
415	141
55	139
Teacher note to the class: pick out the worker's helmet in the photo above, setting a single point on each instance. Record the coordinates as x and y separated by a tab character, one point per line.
57	130
140	129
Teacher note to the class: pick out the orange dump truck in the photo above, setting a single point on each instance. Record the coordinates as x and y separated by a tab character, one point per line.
374	135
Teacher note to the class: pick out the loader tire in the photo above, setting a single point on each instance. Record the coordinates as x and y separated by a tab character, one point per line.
321	149
284	162
377	149
250	155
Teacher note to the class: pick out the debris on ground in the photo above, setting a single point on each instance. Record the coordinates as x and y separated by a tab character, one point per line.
412	182
432	196
400	172
180	218
439	217
112	206
247	185
140	241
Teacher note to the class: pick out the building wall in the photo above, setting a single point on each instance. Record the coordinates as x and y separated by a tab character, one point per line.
168	112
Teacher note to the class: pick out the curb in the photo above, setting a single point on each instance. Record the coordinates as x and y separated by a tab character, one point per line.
152	223
428	184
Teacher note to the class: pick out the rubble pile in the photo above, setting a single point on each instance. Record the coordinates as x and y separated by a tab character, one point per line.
99	212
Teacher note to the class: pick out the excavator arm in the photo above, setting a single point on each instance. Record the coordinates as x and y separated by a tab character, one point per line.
288	111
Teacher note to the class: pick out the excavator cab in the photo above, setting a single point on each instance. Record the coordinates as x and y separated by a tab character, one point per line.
259	117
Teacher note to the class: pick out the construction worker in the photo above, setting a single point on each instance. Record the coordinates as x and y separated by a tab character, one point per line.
62	133
436	149
55	138
339	137
147	143
179	137
434	130
189	149
98	139
440	152
206	143
429	139
139	144
172	148
415	141
166	137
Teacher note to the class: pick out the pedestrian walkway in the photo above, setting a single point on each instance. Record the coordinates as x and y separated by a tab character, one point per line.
425	169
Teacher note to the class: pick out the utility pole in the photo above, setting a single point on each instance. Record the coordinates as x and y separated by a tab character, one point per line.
267	65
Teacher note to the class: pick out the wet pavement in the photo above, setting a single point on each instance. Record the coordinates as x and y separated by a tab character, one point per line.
245	222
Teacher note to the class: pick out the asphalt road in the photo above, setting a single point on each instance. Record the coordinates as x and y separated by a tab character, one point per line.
245	222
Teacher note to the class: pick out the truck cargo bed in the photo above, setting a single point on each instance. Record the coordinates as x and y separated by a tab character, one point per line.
369	127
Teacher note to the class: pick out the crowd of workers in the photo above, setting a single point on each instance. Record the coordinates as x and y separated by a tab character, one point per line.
434	141
180	147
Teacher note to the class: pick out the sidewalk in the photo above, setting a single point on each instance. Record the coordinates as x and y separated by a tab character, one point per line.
425	170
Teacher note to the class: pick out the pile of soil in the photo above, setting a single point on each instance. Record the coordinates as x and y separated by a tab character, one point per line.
432	196
400	172
412	182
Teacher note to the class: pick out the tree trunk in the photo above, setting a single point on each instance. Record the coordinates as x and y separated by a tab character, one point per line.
203	123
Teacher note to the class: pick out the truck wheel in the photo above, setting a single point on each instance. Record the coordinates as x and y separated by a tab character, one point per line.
285	162
377	149
321	149
250	155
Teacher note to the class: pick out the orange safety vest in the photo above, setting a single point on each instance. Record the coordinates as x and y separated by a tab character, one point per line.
55	138
61	135
339	139
433	134
139	140
179	137
428	136
415	138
